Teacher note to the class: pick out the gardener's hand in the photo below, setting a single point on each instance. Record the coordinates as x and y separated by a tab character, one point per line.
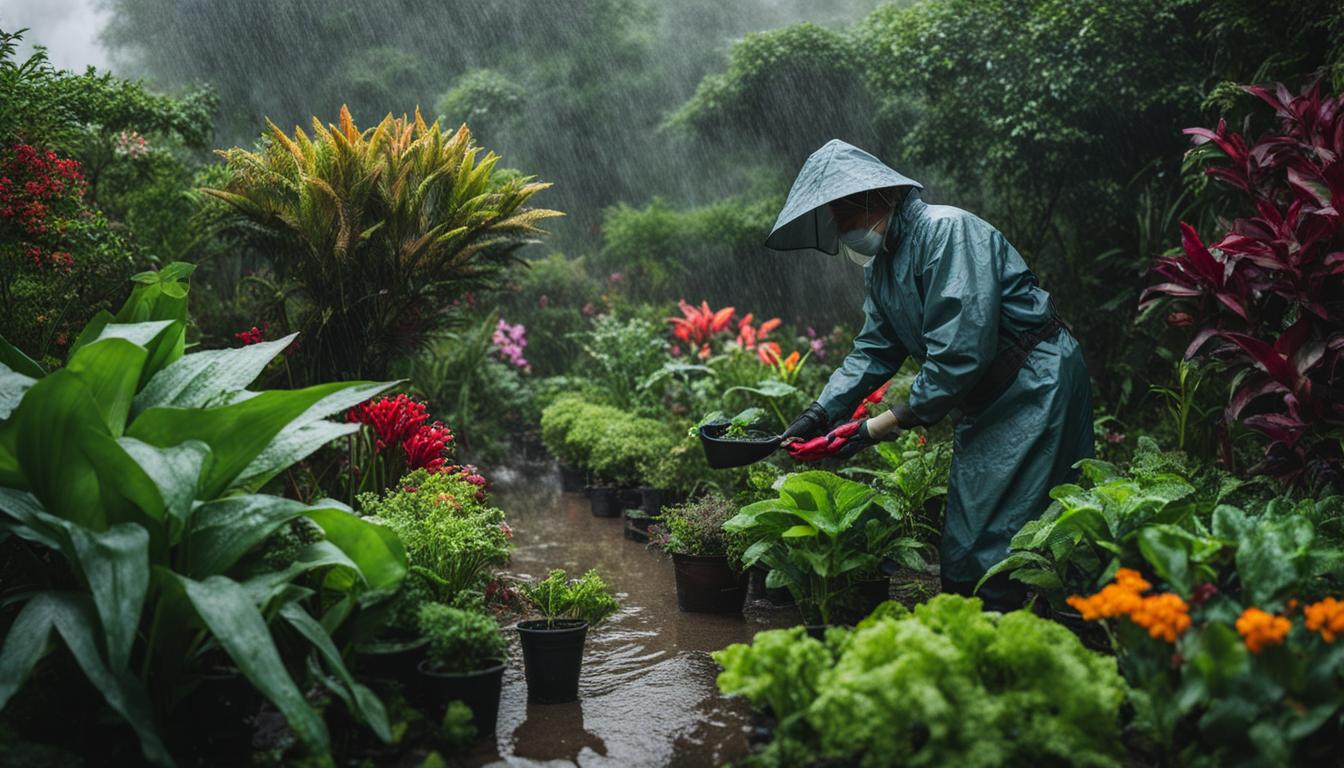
810	424
832	443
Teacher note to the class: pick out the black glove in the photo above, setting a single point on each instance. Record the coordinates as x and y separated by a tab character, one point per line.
812	423
906	418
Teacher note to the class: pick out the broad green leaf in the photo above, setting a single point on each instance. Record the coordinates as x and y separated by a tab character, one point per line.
157	295
91	331
236	433
220	532
366	703
265	587
799	531
111	370
55	423
13	386
14	359
374	548
203	379
161	338
304	435
239	628
1167	550
175	471
115	566
73	618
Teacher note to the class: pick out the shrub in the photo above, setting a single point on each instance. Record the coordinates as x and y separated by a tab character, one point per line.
696	528
459	641
1266	296
375	230
947	685
453	539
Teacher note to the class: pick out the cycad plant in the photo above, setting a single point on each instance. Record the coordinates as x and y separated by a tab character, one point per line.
374	234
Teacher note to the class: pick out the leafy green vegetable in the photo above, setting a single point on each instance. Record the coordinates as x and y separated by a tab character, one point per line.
558	598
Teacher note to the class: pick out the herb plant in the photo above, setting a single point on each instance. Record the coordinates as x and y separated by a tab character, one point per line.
559	598
459	641
696	528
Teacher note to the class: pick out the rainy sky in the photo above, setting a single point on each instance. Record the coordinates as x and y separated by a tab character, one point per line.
68	28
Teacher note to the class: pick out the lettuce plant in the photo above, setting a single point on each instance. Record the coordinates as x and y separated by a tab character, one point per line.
820	534
134	474
1266	295
946	685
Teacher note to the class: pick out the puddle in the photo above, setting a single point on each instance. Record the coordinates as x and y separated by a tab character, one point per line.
646	695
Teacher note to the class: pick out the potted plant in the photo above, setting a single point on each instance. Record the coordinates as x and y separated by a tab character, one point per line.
619	443
821	537
557	421
553	644
464	661
706	559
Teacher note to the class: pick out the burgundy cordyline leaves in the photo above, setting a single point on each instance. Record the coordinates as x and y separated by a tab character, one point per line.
1269	295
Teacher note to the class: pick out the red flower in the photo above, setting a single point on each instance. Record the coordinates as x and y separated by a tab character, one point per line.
251	336
699	325
768	352
426	446
393	420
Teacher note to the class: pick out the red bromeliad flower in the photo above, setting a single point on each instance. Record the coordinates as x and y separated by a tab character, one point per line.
393	419
425	447
699	325
875	397
748	336
767	352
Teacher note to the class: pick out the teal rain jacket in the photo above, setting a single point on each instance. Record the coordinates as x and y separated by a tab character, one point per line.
948	289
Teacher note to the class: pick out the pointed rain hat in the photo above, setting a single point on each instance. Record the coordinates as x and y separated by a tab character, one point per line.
832	172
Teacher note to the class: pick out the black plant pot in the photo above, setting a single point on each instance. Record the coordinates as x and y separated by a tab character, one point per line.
393	659
705	584
818	631
865	595
652	500
219	725
637	525
629	498
779	597
605	501
479	690
552	657
572	479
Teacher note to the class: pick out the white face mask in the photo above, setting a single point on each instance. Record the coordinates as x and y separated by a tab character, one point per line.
861	245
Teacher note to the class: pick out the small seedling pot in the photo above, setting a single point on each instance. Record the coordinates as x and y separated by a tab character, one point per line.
572	479
705	584
552	658
605	501
478	690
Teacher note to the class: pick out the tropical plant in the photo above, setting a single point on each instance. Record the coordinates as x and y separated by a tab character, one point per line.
1266	296
624	354
914	473
454	540
946	685
376	231
131	478
459	641
397	438
559	598
820	534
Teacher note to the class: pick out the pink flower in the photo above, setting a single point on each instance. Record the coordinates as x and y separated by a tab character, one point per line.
543	301
589	309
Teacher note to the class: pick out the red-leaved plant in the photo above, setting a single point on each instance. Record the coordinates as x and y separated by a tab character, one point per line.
1268	295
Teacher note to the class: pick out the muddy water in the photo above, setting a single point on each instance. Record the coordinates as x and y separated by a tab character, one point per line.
646	694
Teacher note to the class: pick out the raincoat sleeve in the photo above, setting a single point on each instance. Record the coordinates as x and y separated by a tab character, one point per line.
961	314
876	357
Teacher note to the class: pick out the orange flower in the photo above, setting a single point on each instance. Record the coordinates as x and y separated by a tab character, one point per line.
1262	629
768	352
1165	615
1326	617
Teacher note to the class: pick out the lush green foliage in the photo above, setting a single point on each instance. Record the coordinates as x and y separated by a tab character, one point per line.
453	540
946	685
372	228
130	480
696	528
460	641
559	598
819	536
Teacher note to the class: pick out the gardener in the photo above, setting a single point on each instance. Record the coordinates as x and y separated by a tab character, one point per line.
948	289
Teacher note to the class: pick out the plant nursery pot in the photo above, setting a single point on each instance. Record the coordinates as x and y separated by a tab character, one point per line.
391	659
216	716
818	631
705	584
479	690
776	596
1091	633
629	498
652	500
552	657
872	593
606	502
637	525
572	479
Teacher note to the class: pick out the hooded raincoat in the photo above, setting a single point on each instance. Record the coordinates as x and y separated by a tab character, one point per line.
949	290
